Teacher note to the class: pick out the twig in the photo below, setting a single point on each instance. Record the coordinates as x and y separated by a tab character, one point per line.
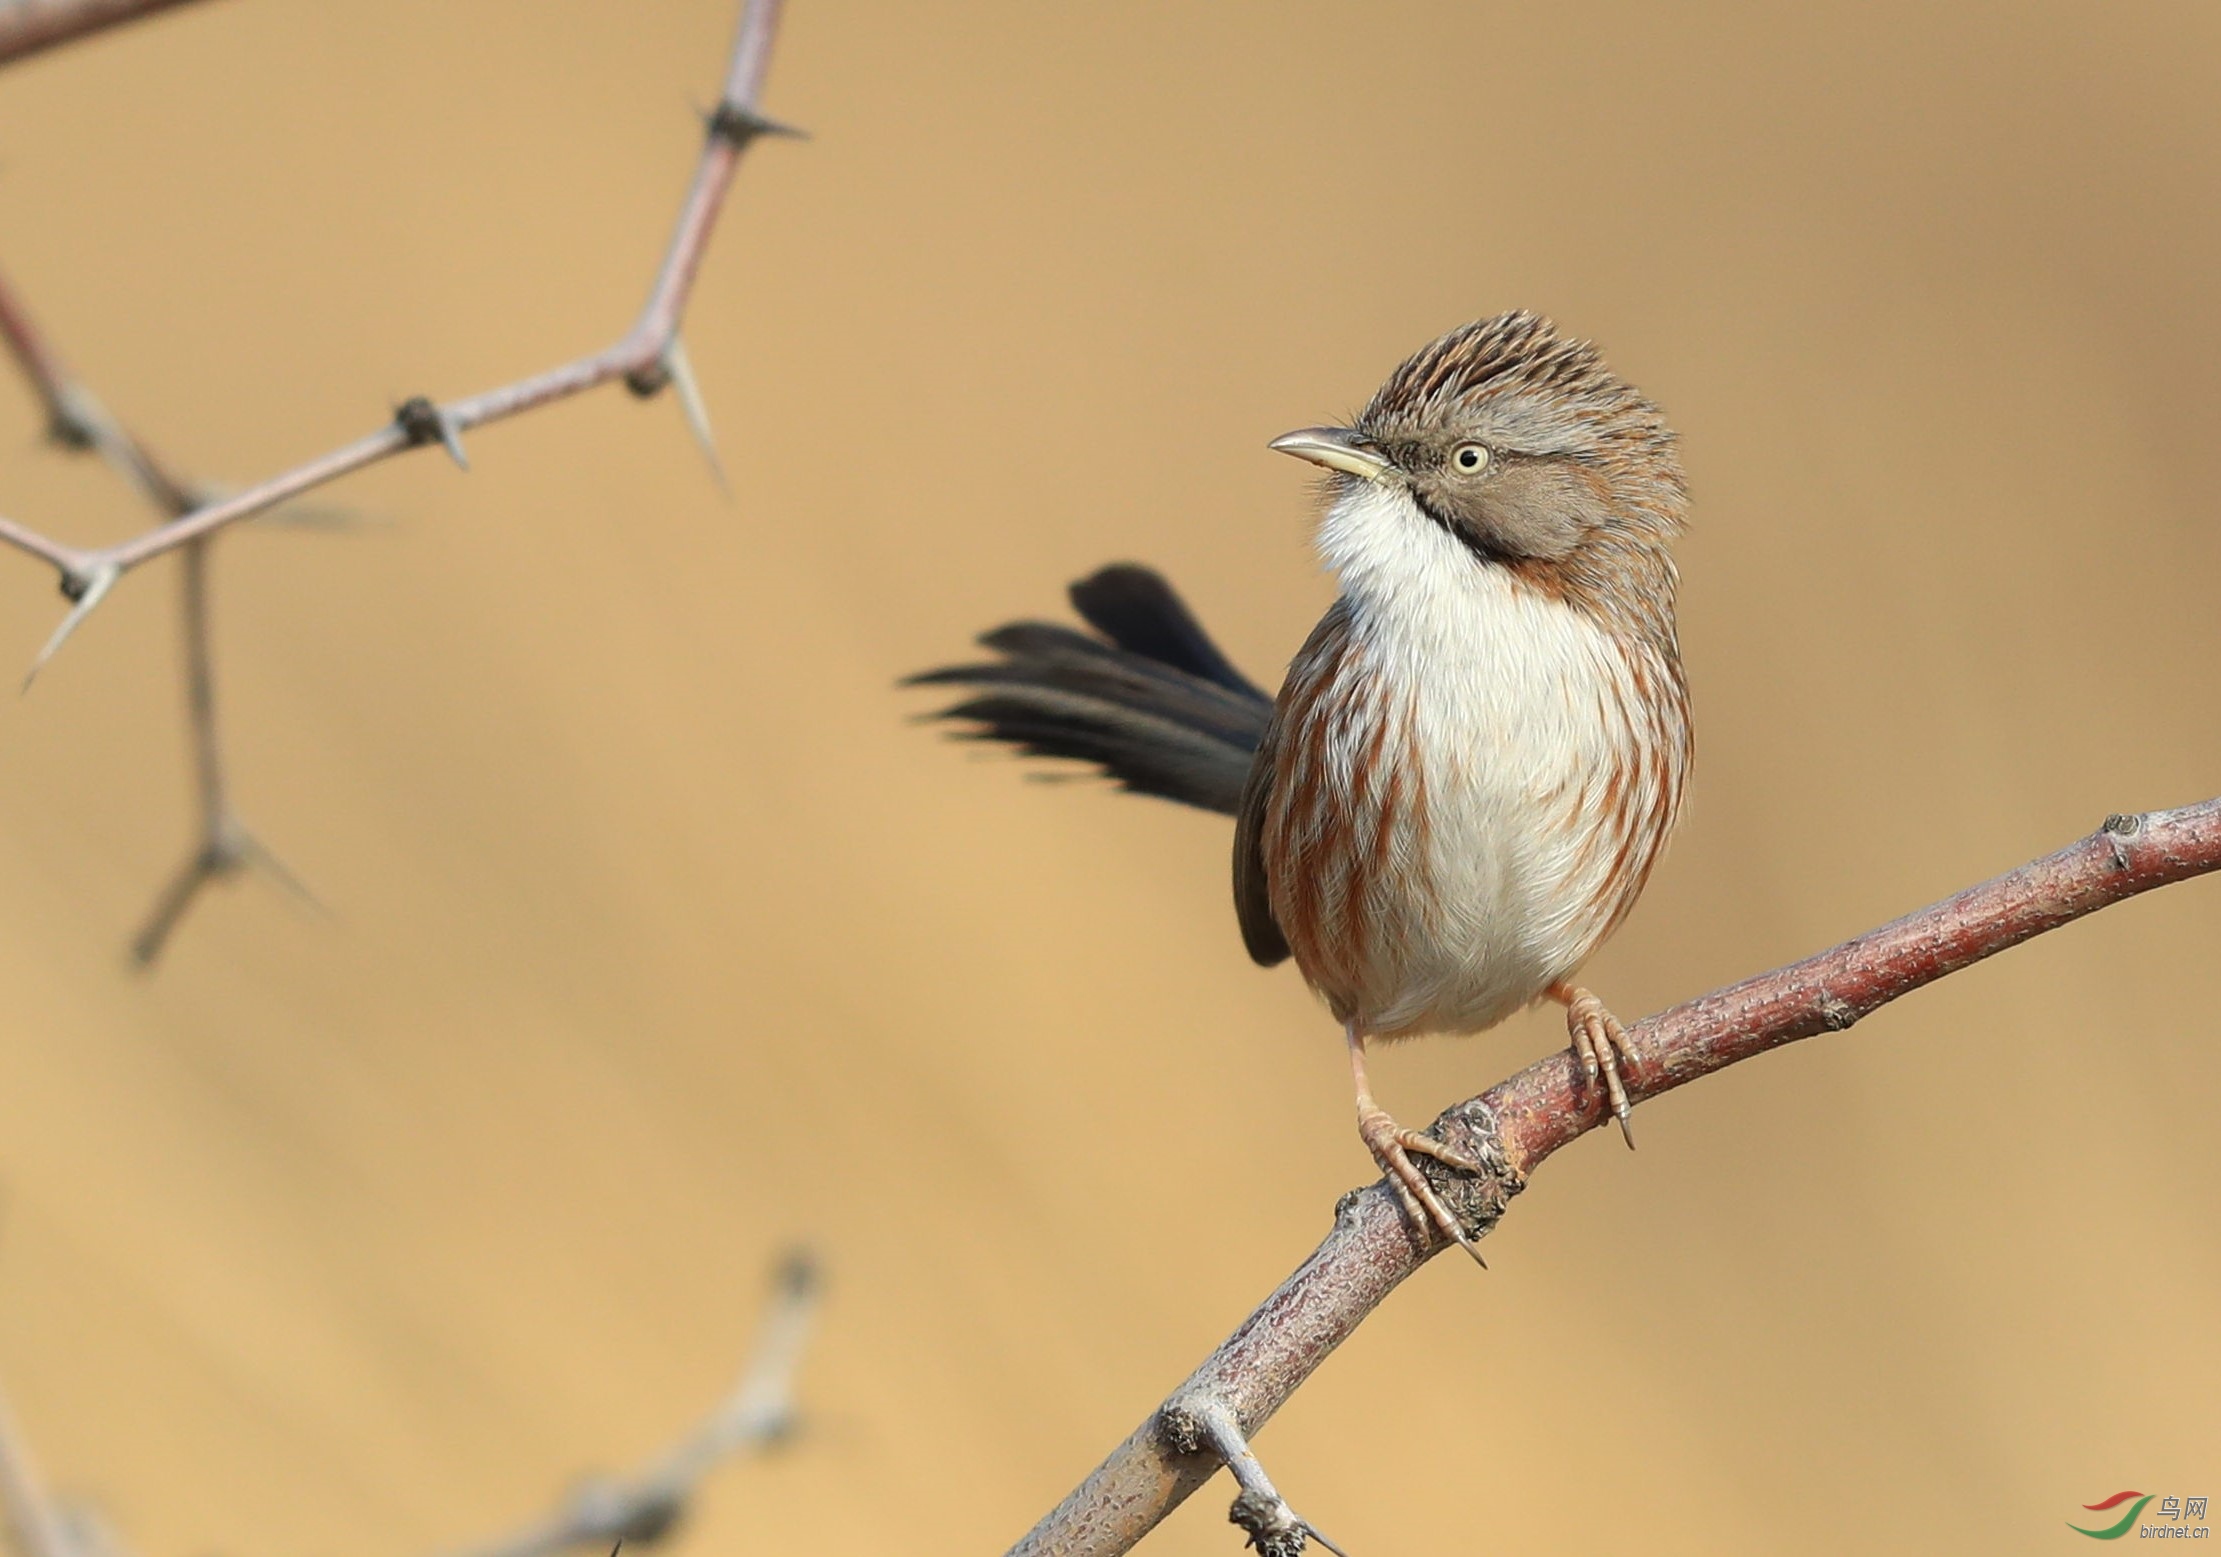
642	358
27	26
758	1413
1275	1529
1518	1123
77	420
35	1526
225	846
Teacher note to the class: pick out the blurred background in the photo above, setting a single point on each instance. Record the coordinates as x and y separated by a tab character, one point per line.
660	939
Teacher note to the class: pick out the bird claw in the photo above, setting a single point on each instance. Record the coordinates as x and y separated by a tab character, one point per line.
1392	1145
1599	1044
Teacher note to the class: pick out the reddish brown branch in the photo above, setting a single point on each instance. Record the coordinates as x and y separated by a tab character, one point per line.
1518	1123
27	26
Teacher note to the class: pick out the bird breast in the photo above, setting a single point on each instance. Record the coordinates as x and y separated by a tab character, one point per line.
1475	778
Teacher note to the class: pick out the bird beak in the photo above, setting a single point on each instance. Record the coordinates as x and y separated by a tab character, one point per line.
1337	448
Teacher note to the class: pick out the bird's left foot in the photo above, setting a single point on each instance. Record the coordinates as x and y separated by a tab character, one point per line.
1392	1147
1599	1044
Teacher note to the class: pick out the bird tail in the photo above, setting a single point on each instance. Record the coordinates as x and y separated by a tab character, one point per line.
1147	698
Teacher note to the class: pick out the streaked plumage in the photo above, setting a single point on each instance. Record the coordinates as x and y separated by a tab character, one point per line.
1477	756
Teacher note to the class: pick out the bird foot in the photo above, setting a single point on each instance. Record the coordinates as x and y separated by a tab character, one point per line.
1392	1145
1599	1044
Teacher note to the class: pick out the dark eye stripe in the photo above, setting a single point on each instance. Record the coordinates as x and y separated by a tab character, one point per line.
1481	549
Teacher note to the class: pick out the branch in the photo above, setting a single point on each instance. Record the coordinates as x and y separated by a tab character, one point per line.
224	846
757	1414
28	26
77	420
1515	1125
646	358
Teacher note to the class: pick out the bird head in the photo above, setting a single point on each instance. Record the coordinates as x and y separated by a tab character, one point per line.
1515	440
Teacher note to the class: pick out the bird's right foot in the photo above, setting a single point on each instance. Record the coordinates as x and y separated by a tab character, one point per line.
1392	1145
1599	1045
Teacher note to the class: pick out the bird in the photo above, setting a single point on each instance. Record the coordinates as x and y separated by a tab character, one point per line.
1478	755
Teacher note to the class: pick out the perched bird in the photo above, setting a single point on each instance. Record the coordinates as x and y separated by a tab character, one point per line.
1478	754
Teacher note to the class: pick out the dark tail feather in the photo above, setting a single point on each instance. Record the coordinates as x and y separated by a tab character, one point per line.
1152	702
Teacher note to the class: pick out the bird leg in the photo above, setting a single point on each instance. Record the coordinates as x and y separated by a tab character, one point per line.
1599	1043
1392	1145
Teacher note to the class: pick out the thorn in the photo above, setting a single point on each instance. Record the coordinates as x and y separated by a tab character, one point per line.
87	589
1319	1536
680	372
251	850
1472	1248
740	124
423	422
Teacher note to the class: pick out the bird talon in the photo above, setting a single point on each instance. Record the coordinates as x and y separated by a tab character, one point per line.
1392	1145
1599	1044
1440	1151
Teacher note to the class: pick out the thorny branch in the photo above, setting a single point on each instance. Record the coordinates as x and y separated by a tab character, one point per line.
643	357
649	356
758	1414
1515	1125
76	419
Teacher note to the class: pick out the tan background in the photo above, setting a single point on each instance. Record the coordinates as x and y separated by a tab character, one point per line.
661	939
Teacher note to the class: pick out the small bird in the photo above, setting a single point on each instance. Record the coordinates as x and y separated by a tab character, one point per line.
1478	754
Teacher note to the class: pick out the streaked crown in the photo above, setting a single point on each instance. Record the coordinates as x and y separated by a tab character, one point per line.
1516	379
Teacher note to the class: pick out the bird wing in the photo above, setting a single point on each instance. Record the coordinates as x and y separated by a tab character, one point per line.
1252	893
1313	668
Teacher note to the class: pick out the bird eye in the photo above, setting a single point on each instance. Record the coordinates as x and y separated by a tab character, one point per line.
1470	457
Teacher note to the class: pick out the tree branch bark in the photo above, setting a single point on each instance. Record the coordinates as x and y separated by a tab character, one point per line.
1514	1126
